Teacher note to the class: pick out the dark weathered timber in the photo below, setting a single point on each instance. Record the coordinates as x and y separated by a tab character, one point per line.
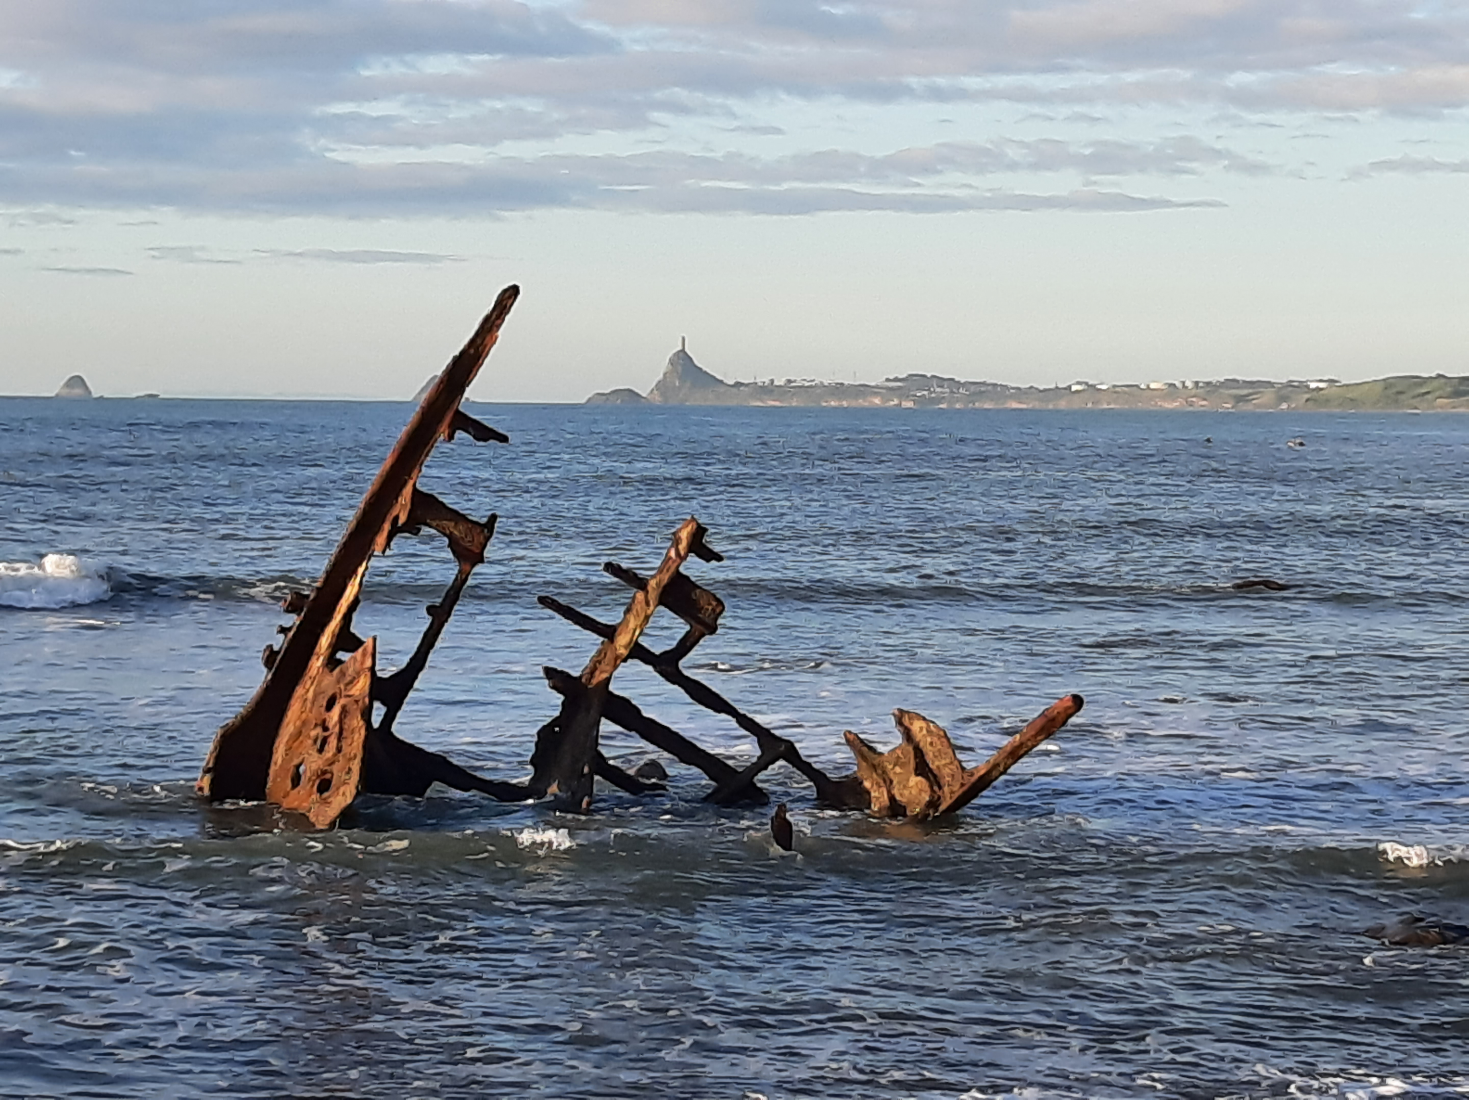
626	714
393	766
624	780
977	780
304	719
565	764
691	602
835	793
922	778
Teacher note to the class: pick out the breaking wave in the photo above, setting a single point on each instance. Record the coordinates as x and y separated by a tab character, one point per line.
1421	855
60	580
545	840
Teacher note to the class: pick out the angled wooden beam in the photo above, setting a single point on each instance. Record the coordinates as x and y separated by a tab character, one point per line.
261	748
565	765
627	715
836	793
977	780
922	777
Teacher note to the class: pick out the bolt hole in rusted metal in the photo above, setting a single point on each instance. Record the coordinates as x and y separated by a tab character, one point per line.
331	702
296	774
324	784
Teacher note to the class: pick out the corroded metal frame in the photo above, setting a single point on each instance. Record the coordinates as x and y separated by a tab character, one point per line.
306	738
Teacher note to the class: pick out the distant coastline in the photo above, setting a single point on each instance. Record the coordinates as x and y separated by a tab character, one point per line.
684	382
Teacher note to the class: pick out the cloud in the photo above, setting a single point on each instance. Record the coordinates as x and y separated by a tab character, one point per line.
1414	166
187	254
29	219
922	179
104	271
359	256
196	254
392	106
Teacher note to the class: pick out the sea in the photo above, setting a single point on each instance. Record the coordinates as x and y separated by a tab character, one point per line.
1165	900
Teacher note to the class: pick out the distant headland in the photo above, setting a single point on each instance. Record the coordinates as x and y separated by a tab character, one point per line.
684	382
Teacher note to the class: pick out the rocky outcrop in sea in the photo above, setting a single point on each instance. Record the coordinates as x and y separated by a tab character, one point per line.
683	382
75	386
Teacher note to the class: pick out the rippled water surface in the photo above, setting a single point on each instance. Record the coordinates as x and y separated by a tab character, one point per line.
1163	901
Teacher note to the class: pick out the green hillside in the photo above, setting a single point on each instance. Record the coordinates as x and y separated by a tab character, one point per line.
1405	391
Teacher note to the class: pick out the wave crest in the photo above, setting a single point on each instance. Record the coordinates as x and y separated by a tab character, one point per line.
60	580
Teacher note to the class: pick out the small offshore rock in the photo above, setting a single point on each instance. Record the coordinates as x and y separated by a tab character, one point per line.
75	386
620	396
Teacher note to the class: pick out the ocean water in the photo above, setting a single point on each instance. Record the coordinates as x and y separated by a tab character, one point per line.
1164	900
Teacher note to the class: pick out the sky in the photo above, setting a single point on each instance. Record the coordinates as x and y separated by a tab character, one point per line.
319	198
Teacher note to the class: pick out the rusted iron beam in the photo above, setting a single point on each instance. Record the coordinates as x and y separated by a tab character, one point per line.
923	778
565	763
978	780
836	793
627	715
733	791
311	715
691	602
623	780
467	539
477	430
321	738
393	766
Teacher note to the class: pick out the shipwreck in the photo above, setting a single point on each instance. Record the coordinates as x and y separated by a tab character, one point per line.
307	741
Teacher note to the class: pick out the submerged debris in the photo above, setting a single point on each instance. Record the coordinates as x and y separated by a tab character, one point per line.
1260	582
1413	930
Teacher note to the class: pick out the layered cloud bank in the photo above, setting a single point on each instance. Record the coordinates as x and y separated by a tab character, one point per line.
765	106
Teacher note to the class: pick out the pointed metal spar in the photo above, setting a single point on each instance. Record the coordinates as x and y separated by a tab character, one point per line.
566	753
313	707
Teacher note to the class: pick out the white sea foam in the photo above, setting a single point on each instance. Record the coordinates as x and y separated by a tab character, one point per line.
1411	855
1420	855
61	580
1365	1087
547	840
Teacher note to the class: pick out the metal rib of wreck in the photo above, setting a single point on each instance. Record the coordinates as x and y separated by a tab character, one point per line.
306	740
922	778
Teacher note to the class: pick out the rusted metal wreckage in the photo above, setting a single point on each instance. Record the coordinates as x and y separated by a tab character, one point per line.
308	743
